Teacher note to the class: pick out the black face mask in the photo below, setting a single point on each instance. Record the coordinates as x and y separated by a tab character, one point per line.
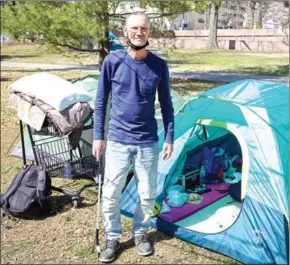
137	48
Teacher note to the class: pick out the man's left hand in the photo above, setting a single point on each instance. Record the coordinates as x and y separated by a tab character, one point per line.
167	151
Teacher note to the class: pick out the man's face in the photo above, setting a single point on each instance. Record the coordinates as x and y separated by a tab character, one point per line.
137	30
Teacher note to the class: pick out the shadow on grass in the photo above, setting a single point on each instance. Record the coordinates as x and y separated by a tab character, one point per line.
190	87
279	70
177	62
4	79
92	67
158	236
8	57
154	237
56	204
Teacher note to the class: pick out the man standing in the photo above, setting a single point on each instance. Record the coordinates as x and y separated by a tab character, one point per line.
132	77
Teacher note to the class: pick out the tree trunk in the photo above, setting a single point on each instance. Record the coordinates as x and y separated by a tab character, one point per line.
104	42
238	17
260	14
104	45
212	38
206	18
253	4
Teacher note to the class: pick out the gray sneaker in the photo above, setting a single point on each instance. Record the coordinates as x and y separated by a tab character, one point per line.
143	245
109	252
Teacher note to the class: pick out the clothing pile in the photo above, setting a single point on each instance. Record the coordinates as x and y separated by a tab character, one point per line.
44	100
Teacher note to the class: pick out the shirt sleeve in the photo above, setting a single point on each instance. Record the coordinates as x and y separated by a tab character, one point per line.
166	106
104	88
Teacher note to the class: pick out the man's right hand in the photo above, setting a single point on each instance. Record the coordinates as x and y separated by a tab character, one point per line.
98	148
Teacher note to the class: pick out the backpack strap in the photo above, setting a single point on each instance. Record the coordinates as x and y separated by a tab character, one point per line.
42	185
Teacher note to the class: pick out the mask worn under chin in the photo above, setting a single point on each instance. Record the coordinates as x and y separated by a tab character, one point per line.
137	48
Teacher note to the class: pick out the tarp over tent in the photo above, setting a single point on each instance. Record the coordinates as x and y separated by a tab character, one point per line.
256	113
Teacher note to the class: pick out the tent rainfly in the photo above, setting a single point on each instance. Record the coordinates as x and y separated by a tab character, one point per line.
250	120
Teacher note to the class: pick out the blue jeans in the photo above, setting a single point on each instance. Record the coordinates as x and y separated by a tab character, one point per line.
119	159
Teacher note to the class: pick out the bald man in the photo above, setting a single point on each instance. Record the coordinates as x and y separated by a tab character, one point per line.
133	77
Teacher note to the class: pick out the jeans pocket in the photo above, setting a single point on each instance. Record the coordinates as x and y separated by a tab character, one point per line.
148	85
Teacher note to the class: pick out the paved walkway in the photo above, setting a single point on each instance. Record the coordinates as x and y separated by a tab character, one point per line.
200	76
226	77
50	67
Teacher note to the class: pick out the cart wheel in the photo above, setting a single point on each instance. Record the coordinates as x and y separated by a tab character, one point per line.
75	202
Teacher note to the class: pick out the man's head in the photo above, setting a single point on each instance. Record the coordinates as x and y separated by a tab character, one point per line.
137	28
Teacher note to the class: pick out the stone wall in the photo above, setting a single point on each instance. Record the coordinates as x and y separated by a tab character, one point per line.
262	40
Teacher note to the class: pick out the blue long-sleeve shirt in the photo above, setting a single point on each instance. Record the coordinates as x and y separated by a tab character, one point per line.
133	84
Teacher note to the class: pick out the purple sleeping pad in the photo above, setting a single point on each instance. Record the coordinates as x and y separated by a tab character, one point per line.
177	213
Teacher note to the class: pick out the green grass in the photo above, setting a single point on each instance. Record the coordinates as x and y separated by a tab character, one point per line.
82	251
230	61
188	88
35	53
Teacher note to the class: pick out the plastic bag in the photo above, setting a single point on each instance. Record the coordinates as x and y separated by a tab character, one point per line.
176	198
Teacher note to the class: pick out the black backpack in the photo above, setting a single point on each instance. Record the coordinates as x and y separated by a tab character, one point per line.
27	194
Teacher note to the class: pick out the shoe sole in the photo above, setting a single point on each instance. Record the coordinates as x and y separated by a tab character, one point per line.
145	254
106	260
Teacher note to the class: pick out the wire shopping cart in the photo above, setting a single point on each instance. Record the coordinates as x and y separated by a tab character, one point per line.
52	152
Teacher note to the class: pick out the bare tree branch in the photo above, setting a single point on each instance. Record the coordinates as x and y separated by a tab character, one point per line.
154	15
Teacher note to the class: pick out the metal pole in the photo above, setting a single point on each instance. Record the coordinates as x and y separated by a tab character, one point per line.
98	247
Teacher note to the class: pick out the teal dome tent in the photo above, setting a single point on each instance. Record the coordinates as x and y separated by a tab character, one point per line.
249	121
